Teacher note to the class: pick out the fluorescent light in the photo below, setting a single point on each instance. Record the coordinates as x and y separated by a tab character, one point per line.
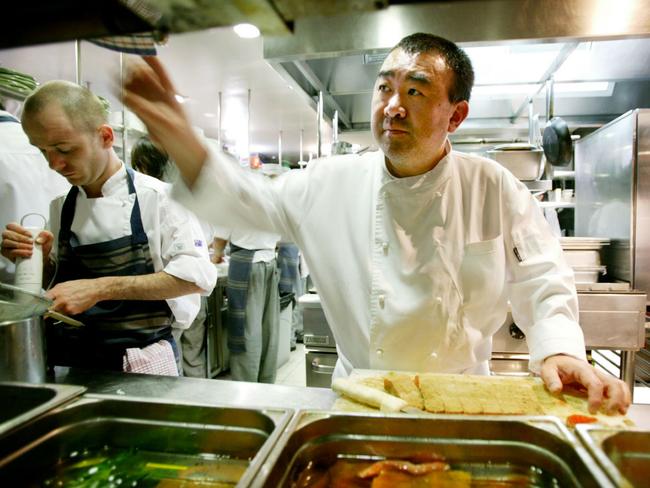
579	89
209	115
246	31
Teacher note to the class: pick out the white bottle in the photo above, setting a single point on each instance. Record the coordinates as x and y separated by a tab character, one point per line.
29	271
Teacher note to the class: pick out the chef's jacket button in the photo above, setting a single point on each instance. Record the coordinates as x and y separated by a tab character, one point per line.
382	300
438	194
439	300
384	247
379	352
434	355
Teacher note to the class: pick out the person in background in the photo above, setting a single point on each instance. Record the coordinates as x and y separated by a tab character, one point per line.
150	160
291	282
120	252
26	183
416	250
253	303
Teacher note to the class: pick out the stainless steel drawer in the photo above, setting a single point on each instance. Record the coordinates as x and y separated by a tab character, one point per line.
320	367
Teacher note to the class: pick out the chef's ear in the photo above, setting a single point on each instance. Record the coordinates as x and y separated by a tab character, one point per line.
459	114
107	135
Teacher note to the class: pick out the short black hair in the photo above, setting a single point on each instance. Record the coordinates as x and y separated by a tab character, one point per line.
455	57
147	158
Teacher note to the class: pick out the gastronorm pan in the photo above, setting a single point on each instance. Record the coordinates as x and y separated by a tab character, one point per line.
531	451
167	439
24	401
623	454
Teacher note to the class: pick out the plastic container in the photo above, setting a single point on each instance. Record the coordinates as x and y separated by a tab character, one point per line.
29	271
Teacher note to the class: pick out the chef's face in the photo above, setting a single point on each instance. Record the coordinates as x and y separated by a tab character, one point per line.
79	155
411	111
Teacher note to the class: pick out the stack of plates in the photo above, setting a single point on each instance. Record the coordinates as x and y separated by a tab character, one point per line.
15	82
583	255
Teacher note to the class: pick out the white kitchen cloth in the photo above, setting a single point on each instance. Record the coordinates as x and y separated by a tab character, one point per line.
157	358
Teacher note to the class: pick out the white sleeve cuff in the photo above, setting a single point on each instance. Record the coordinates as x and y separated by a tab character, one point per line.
553	336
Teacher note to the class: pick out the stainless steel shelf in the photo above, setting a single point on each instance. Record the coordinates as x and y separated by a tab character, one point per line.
538	185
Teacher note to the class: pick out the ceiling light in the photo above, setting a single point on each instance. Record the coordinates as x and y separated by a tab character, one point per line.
209	115
246	31
573	89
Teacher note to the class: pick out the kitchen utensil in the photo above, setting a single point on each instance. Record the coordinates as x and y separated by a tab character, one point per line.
556	139
63	318
22	350
29	271
523	160
17	304
557	144
370	396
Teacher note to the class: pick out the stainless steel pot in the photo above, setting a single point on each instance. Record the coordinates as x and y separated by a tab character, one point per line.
22	350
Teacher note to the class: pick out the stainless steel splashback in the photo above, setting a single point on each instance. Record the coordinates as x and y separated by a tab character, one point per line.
613	194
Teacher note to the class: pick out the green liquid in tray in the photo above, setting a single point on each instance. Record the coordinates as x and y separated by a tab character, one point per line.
121	468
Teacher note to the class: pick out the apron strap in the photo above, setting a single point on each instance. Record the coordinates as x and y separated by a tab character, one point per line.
137	230
9	118
67	213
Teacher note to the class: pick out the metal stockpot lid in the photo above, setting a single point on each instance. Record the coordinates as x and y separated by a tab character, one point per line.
17	304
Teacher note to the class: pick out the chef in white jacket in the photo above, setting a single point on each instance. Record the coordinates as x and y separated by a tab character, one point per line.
26	183
123	255
415	249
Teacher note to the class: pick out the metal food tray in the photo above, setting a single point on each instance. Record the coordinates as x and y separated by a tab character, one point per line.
538	449
95	422
22	402
623	454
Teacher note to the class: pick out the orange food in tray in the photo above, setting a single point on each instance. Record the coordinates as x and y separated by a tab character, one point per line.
388	473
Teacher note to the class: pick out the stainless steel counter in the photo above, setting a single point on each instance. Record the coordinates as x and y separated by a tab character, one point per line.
228	393
197	390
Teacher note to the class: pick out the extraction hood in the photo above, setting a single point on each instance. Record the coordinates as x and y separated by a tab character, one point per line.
596	51
45	21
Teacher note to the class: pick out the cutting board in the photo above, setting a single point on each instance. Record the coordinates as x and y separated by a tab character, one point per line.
484	395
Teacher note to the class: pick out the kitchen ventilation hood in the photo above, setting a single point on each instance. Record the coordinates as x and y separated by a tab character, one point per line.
597	51
44	21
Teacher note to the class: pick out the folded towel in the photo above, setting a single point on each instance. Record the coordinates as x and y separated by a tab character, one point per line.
157	358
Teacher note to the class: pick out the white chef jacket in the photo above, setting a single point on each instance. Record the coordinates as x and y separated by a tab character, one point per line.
27	184
414	273
263	242
176	242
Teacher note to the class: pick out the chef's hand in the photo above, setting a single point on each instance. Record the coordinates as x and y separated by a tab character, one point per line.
603	390
74	297
150	94
17	242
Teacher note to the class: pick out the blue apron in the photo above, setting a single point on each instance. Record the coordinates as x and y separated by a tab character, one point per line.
239	271
110	326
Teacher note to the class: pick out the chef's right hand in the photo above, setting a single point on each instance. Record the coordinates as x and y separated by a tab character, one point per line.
17	242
